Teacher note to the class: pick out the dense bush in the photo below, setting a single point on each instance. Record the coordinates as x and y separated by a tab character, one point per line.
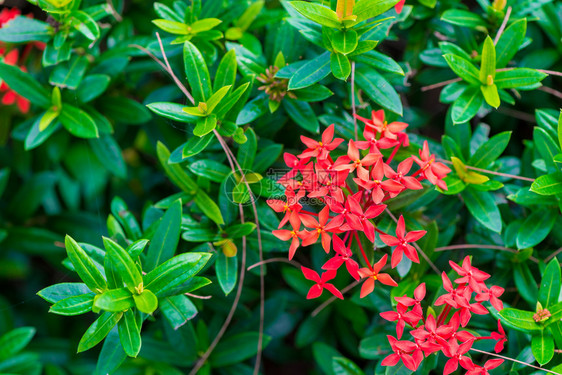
244	186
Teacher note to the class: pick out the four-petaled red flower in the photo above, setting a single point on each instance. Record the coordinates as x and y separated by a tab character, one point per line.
432	170
321	283
402	242
373	275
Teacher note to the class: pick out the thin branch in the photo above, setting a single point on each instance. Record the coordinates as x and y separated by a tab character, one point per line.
492	172
476	246
353	107
551	91
198	297
502	27
333	298
518	114
275	260
440	84
515	360
551	72
171	72
433	266
114	12
548	258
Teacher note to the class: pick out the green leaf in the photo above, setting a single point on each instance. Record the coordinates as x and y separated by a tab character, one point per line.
58	292
380	61
74	305
518	77
491	95
249	15
98	330
92	86
343	366
510	42
204	25
467	105
175	172
483	208
488	64
210	169
317	13
197	73
195	145
550	284
247	151
519	319
236	349
254	109
25	85
227	272
115	300
205	125
209	207
124	110
549	184
172	27
178	310
78	122
172	111
345	41
14	341
313	71
379	90
166	238
463	18
23	29
487	153
314	93
536	228
84	266
542	345
546	146
124	264
109	154
302	114
366	9
69	75
175	271
526	283
226	72
146	302
463	68
231	100
85	24
129	334
200	235
240	230
340	65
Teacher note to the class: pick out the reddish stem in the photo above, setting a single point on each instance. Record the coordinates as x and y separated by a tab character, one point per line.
363	251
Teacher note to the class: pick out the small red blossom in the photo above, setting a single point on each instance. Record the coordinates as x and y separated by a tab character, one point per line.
378	123
344	255
500	337
321	149
295	235
434	171
484	370
402	242
321	283
373	275
402	316
399	6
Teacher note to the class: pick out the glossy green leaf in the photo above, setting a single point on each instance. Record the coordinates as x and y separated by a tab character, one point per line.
488	64
486	154
236	349
84	266
74	305
23	29
463	18
197	73
247	151
379	90
227	272
166	238
178	310
25	85
536	228
317	13
175	271
542	345
14	341
98	330
129	334
146	302
205	125
518	77
69	75
467	105
109	154
510	41
58	292
463	68
124	264
172	27
366	9
172	111
343	366
491	95
210	169
547	147
549	184
175	172
519	319
340	65
209	207
483	208
78	122
226	72
195	145
345	41
549	290
525	282
312	72
115	300
85	24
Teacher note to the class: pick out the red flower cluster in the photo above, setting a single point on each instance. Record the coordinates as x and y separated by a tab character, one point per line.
11	57
444	332
352	190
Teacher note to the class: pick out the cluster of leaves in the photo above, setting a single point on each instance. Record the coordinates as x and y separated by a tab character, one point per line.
155	134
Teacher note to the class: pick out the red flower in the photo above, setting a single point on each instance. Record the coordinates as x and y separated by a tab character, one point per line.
321	283
403	351
364	217
470	275
402	242
500	337
419	295
320	229
344	255
432	170
376	185
378	123
401	316
400	176
399	6
321	149
373	275
456	353
492	295
291	205
7	15
354	157
294	235
483	370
